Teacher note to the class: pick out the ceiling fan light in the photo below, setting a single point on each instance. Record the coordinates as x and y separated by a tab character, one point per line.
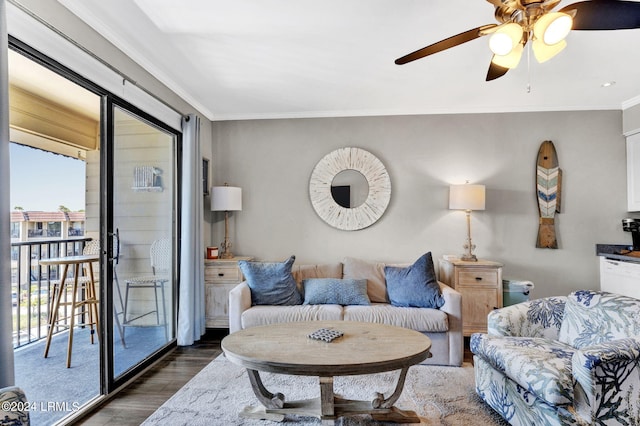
553	27
500	44
543	52
505	39
510	60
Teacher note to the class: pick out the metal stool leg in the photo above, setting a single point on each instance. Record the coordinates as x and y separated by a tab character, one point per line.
164	311
116	314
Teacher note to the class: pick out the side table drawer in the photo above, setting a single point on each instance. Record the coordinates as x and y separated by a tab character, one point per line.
479	277
222	274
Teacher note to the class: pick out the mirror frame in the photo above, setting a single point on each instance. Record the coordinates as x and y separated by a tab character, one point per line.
366	214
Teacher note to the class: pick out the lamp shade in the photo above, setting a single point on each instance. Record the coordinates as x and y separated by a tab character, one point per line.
553	27
505	39
466	197
226	198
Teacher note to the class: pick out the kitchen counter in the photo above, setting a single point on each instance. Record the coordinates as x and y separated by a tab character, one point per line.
611	251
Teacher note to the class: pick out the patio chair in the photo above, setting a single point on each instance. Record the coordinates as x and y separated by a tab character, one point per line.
161	265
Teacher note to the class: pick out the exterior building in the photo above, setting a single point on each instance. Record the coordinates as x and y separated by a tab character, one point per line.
34	225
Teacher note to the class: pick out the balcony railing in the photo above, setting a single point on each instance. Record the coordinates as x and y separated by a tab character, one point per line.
32	285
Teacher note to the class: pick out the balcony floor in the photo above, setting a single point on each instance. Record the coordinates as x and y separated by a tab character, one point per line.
54	390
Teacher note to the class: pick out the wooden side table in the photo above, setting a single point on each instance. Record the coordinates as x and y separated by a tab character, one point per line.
220	276
480	284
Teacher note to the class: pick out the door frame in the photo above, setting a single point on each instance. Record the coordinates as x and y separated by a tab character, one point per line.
107	384
107	232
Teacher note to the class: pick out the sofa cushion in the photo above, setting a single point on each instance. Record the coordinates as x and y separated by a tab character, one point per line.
271	283
302	272
265	315
414	286
593	317
373	272
335	291
418	319
539	365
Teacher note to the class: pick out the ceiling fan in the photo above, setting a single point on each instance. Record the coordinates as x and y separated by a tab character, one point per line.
524	21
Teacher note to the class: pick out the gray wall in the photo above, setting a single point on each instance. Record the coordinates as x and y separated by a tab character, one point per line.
272	161
631	120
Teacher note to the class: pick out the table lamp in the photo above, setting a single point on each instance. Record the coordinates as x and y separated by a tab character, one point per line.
226	198
467	197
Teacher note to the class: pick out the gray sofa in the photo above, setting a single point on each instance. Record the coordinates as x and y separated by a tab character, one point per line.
443	326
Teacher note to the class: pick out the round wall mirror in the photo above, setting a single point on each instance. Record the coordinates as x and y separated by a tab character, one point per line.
349	188
367	183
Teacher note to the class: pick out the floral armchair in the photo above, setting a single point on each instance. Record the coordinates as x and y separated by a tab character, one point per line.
562	360
14	410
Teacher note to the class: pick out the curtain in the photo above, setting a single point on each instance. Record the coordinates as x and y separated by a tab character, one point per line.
6	340
191	323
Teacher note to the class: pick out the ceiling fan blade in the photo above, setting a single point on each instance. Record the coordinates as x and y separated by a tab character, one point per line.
445	44
605	15
495	71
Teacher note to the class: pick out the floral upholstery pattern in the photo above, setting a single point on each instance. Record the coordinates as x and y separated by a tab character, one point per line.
542	366
14	410
562	360
537	318
591	318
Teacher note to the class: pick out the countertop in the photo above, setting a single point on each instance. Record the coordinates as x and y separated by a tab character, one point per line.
611	251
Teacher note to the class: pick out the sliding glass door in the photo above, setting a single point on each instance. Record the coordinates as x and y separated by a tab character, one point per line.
129	192
141	224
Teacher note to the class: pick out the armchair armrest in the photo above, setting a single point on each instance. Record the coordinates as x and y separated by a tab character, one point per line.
535	318
15	407
607	379
453	308
239	301
452	303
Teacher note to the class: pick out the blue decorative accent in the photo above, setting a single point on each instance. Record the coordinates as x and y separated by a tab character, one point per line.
333	291
562	361
415	286
271	283
584	297
547	197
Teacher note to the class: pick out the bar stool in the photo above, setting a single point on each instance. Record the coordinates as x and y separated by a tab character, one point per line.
161	263
84	298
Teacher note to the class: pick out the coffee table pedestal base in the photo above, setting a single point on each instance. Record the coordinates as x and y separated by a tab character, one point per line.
328	406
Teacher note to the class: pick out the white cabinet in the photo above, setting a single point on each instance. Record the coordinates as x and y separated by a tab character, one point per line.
633	173
620	277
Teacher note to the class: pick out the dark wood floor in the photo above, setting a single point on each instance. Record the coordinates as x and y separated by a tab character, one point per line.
133	405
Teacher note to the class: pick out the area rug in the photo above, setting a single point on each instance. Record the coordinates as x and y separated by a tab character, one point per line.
216	395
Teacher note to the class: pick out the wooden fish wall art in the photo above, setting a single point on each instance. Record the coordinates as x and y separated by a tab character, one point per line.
548	190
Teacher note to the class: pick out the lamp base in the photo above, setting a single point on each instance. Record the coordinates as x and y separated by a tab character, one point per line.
227	255
468	256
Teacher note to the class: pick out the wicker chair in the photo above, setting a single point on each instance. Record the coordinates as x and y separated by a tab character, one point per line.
161	264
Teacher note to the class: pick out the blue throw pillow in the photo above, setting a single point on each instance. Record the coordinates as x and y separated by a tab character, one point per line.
334	291
271	283
414	286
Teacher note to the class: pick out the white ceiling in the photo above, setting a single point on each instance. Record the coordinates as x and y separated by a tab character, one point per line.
247	59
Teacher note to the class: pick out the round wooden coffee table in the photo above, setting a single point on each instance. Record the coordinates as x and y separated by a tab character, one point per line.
364	348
